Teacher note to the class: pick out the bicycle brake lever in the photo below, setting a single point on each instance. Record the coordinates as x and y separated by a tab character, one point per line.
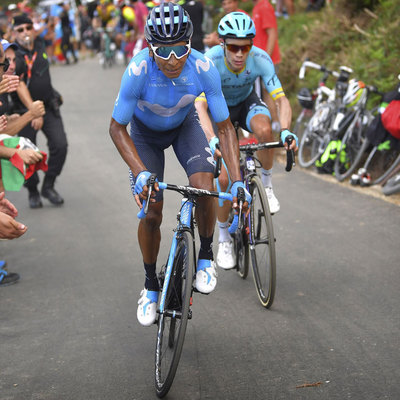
145	206
290	160
217	169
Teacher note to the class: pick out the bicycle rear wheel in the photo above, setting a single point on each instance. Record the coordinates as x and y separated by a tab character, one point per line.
172	322
262	244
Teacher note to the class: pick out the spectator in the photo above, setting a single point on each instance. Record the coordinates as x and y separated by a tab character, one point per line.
267	39
38	81
66	45
284	8
9	229
195	11
15	122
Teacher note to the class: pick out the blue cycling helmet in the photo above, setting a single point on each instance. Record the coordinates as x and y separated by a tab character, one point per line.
168	23
236	25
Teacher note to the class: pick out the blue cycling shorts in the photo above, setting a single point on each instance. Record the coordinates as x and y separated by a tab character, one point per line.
246	110
188	141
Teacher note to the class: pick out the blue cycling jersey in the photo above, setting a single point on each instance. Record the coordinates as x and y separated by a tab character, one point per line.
237	86
161	103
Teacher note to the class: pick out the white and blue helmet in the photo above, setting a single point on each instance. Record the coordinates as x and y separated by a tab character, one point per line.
236	25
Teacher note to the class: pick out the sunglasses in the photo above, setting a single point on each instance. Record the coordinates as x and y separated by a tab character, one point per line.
233	48
5	65
25	28
165	52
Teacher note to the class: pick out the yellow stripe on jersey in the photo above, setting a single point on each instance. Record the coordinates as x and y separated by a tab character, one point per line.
275	94
201	97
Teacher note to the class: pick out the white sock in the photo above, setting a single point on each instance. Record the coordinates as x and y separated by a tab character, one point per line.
266	177
224	235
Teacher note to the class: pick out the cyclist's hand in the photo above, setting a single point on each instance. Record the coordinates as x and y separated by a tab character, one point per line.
284	134
141	188
234	192
214	147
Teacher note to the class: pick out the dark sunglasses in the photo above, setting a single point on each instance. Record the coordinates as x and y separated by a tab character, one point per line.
5	65
233	48
25	28
165	52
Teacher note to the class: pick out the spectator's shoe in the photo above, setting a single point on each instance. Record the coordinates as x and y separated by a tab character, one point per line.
50	194
8	278
226	258
147	307
273	202
206	276
34	200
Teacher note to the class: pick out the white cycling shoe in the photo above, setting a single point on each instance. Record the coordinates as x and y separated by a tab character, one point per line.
273	202
147	307
206	276
226	257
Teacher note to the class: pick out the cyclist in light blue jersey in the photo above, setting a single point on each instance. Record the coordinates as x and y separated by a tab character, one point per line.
156	97
240	64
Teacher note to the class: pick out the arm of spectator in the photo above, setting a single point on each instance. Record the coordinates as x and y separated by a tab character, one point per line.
29	156
9	83
10	228
24	95
272	38
14	125
7	207
212	39
3	123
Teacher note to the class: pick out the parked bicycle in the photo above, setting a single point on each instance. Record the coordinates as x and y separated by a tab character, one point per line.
329	117
255	236
176	282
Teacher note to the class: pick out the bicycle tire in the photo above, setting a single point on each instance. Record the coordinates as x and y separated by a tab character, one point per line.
354	145
382	164
392	186
262	244
242	252
302	122
316	137
173	322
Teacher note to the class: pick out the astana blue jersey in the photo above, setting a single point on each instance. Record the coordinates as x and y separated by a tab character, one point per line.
237	86
161	103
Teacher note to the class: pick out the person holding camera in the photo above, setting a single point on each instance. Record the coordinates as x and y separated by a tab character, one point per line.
35	72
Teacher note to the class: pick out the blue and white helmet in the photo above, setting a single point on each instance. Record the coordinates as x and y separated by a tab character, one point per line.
168	23
236	25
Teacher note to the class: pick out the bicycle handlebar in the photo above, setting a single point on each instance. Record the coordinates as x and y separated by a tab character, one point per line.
290	158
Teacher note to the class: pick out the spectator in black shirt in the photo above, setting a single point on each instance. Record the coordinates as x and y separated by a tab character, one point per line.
195	11
37	78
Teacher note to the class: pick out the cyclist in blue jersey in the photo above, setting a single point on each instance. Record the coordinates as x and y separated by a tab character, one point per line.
240	64
156	97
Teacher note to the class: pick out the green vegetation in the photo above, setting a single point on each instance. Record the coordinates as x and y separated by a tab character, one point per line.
361	34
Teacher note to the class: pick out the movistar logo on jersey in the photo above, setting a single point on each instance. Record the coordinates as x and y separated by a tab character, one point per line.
162	111
204	65
134	69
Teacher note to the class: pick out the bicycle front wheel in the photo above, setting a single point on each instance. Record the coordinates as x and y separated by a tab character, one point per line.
262	244
352	148
172	322
242	252
315	138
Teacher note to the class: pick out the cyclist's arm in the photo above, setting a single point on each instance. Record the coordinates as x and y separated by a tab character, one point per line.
201	107
284	112
229	148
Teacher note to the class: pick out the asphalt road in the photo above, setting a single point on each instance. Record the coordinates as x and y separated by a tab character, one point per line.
68	328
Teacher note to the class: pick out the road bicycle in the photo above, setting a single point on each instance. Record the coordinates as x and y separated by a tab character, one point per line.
329	117
176	282
351	146
255	236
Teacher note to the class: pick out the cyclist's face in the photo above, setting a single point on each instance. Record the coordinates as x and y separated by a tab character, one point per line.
172	67
236	53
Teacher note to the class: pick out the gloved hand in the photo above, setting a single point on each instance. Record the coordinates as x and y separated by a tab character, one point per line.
234	190
213	143
285	133
141	180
